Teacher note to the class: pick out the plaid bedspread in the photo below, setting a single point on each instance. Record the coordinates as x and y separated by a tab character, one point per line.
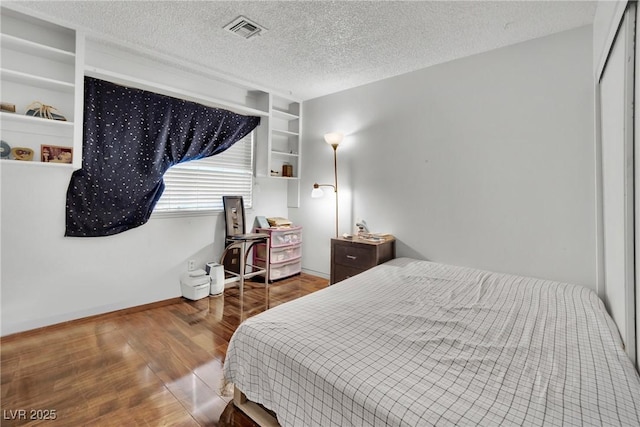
414	343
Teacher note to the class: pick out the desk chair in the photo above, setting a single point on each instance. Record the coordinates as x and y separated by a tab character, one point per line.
239	243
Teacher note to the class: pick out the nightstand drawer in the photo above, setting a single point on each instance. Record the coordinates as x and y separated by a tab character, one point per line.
355	256
342	272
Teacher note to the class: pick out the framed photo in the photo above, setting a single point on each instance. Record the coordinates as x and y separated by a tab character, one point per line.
56	154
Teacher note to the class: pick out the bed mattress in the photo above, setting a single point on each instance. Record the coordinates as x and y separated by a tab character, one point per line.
415	343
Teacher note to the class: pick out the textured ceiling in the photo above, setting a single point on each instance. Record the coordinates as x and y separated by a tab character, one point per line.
313	48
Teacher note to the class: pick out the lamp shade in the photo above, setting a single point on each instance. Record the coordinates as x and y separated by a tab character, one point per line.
317	192
333	138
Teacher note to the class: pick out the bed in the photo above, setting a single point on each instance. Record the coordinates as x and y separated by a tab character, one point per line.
413	343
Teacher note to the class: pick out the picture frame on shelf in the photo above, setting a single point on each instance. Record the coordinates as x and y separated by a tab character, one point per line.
23	154
55	154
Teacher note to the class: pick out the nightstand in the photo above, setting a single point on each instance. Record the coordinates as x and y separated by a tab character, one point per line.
353	256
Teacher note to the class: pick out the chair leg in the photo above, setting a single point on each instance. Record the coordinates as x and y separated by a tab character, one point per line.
242	267
267	262
244	248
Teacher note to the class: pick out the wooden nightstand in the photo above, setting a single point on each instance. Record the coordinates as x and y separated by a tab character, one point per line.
352	256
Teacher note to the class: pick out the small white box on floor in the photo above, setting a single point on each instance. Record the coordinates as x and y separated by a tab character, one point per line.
195	284
216	272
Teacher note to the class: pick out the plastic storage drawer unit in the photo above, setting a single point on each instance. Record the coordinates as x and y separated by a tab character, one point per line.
284	252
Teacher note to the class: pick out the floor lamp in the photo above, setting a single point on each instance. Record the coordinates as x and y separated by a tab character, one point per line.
333	139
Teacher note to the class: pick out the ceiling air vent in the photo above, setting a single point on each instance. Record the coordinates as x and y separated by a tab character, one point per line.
244	27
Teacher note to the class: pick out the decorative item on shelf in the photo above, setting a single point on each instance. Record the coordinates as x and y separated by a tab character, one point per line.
287	170
55	154
333	139
5	150
38	109
361	228
22	153
262	222
275	173
5	106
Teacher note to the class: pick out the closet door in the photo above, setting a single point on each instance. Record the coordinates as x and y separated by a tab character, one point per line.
636	150
616	88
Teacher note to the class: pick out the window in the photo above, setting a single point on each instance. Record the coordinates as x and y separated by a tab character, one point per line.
199	185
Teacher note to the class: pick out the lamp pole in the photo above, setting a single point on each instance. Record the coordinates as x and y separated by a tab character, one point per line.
333	139
335	180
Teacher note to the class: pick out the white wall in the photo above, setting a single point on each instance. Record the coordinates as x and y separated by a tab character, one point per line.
47	278
485	161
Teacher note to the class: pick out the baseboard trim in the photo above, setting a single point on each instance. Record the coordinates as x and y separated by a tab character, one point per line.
107	315
316	273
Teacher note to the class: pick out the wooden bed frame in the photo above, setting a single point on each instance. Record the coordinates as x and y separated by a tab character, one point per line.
254	411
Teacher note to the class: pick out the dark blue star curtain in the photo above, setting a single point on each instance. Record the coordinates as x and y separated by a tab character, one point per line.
131	138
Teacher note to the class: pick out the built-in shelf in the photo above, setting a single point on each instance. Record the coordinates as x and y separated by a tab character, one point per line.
8	117
289	178
36	163
284	114
33	80
281	146
284	153
45	62
39	64
285	132
37	49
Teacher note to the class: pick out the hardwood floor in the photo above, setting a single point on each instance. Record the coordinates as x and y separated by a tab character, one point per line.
157	366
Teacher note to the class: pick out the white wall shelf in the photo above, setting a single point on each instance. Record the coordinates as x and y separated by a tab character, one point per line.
281	146
284	114
37	49
46	62
39	63
283	153
286	178
31	120
33	80
35	164
285	132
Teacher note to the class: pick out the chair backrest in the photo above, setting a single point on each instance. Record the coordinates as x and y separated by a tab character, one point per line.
233	215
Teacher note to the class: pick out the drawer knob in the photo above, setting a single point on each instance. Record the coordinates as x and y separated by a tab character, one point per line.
351	257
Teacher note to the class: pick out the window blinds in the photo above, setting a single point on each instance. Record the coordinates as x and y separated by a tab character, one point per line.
199	185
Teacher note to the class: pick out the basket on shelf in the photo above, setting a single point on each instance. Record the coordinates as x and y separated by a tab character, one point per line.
38	109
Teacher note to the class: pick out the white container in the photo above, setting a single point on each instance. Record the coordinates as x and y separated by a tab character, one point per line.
195	284
216	272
